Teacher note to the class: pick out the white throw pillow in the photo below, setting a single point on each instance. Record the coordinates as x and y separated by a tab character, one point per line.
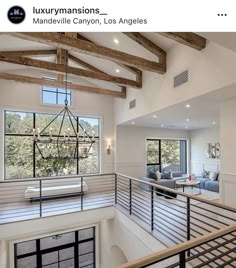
158	174
212	175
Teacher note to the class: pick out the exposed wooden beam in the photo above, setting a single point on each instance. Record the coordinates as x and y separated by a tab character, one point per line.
148	44
71	34
189	39
92	68
62	58
85	64
70	70
50	83
30	52
128	68
85	47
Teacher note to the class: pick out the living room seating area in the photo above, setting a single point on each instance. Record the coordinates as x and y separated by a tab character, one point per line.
209	180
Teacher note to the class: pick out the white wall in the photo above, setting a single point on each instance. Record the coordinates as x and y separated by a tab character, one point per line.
133	241
131	147
27	97
113	229
199	140
209	69
228	149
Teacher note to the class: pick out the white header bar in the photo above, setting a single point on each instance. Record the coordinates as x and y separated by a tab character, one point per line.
120	15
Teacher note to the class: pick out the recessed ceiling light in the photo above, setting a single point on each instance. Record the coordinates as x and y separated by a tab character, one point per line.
187	120
186	127
214	123
132	123
187	105
162	125
117	70
116	41
154	116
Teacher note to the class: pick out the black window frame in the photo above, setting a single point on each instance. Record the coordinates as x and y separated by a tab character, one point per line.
78	117
183	154
67	92
38	253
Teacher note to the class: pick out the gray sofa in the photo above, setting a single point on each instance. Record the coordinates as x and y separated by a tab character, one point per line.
205	183
163	182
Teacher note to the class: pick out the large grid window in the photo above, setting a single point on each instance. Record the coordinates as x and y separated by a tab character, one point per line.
166	155
68	250
57	96
22	158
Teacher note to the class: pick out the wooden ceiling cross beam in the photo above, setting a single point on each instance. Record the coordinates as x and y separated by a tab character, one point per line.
39	52
89	48
189	39
92	68
149	45
58	84
137	72
70	70
128	68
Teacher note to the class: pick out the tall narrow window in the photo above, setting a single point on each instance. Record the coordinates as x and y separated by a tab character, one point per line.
153	155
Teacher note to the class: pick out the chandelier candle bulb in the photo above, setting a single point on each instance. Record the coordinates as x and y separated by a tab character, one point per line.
38	133
34	131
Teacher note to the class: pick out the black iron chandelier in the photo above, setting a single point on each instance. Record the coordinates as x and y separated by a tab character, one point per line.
64	137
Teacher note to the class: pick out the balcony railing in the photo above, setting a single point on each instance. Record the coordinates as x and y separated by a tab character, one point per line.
217	249
25	199
171	216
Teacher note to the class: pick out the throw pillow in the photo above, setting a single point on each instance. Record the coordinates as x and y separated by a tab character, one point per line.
166	175
158	174
205	174
218	176
212	175
152	175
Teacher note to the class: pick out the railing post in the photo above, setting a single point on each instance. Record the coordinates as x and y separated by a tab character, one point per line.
182	260
40	198
82	193
130	196
152	208
115	188
188	223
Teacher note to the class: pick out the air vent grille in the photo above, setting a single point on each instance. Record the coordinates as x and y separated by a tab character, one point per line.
132	104
181	79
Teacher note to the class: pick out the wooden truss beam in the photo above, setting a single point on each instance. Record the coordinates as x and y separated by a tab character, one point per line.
149	45
128	68
62	58
70	70
50	83
30	52
92	68
85	64
89	48
189	39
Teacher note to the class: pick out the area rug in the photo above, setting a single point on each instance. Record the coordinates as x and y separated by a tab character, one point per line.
209	195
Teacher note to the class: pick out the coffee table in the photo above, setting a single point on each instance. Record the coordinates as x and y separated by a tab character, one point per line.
192	183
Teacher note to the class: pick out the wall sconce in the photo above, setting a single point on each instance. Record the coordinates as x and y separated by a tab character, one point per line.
108	146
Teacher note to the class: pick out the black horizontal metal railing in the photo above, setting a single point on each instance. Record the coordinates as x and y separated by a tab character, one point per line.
175	217
171	216
216	249
25	199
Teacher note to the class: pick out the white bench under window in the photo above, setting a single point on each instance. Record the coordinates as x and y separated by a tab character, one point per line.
50	192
